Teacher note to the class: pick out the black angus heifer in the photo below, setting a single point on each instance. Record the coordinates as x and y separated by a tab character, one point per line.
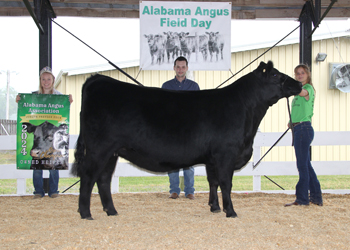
50	145
162	130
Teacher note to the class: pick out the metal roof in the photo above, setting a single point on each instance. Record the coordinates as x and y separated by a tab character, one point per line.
241	9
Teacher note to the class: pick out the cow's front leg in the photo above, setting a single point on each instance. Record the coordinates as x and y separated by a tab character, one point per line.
104	186
168	55
226	187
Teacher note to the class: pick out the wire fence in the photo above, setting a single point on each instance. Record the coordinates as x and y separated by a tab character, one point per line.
8	127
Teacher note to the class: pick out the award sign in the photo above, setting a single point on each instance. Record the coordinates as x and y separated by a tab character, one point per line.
43	131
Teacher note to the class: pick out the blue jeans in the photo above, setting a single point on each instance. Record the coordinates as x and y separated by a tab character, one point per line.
303	136
38	182
188	179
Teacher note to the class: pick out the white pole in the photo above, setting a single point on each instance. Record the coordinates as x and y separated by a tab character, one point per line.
8	96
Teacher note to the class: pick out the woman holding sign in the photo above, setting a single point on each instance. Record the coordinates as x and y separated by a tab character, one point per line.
46	86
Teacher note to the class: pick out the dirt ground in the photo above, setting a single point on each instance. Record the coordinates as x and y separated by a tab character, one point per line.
153	221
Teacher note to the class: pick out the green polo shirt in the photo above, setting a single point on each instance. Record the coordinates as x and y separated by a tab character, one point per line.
302	109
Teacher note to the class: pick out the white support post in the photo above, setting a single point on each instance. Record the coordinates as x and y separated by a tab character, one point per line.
21	186
115	184
256	183
256	158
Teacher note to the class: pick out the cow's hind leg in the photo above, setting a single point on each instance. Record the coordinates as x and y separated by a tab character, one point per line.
87	182
213	187
104	186
89	174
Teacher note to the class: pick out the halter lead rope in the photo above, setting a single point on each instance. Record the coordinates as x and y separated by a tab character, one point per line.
285	132
115	66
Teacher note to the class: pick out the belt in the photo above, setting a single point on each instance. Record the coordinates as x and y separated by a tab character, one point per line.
295	123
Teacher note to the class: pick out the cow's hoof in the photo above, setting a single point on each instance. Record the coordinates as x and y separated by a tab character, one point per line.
87	218
233	215
112	214
215	209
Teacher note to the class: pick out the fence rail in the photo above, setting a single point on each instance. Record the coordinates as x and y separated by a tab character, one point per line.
8	127
125	169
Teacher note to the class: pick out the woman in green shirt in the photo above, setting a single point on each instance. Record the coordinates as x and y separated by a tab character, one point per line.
302	112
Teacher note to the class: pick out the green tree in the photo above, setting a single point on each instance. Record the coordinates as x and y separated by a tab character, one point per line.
12	103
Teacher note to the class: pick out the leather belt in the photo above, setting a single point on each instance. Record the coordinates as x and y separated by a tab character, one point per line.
296	123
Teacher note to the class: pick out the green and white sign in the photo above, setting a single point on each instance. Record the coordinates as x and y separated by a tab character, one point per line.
199	31
43	131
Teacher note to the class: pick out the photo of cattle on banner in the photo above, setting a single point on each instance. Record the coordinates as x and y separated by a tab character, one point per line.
166	47
50	146
162	130
43	132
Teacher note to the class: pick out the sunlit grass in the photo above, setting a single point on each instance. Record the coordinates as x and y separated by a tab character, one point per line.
161	183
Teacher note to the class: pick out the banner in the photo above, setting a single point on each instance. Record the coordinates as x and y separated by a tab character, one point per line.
43	131
199	31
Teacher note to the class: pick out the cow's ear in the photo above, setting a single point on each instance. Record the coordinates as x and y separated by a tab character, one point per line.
261	69
269	66
262	66
30	127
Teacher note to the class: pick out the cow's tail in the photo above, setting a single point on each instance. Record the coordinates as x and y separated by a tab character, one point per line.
79	155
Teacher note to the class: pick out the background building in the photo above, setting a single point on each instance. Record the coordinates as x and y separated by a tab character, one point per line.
331	105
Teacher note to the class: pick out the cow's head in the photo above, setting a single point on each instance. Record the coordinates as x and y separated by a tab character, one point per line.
212	35
50	142
171	36
150	39
168	34
182	36
276	85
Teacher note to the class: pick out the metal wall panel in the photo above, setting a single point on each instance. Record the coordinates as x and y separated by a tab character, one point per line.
332	111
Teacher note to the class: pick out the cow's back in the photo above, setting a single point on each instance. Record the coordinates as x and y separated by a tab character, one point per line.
156	123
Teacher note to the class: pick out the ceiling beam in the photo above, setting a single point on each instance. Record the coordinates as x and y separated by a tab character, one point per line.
241	9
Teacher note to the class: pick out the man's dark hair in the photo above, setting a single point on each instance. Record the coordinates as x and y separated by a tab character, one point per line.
181	58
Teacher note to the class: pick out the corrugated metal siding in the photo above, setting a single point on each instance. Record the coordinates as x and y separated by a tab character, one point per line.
331	106
332	111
